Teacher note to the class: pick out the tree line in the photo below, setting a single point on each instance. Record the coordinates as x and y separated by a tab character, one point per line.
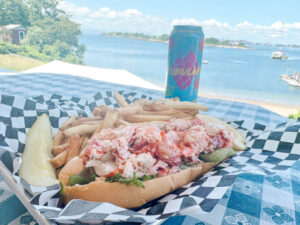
165	37
51	33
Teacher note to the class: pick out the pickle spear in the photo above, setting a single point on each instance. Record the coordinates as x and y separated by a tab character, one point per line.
36	168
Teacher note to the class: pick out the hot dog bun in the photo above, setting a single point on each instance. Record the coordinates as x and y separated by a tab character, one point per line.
126	196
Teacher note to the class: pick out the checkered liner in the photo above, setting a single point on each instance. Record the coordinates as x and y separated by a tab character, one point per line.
267	152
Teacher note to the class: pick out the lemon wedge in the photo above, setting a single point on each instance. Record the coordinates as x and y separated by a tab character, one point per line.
36	168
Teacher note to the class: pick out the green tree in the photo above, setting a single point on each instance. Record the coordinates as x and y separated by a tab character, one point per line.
40	9
47	31
53	32
164	37
14	12
212	40
226	42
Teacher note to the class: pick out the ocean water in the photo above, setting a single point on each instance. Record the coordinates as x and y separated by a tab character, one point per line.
238	73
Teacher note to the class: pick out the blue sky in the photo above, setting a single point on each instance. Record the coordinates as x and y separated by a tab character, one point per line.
256	20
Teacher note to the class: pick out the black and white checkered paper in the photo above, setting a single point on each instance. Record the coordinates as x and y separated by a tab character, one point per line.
267	152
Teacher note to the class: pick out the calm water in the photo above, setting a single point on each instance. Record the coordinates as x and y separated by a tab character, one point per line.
249	74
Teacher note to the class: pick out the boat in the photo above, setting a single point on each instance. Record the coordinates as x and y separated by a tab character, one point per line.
204	61
279	55
292	79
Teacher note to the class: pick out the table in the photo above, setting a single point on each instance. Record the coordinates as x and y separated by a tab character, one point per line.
68	89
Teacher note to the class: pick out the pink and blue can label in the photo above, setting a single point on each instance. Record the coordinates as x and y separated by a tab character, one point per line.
184	62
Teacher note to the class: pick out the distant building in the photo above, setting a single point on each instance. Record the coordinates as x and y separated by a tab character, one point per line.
235	43
16	33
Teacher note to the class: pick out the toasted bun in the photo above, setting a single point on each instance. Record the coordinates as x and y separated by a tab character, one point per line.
126	196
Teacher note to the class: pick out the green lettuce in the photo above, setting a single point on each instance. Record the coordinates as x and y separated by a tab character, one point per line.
218	155
130	181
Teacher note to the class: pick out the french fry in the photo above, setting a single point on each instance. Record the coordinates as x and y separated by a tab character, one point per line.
110	118
81	129
160	124
89	119
120	99
161	112
129	110
146	118
68	122
96	112
100	110
142	102
121	122
92	122
192	112
183	105
74	147
86	120
58	138
83	143
59	160
182	115
59	148
154	106
79	122
66	140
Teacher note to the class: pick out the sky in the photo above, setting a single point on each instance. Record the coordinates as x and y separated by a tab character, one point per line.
269	21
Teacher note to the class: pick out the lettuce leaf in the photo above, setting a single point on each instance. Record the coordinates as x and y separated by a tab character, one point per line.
130	181
218	155
77	179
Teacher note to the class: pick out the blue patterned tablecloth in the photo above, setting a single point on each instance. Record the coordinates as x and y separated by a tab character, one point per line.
29	85
252	199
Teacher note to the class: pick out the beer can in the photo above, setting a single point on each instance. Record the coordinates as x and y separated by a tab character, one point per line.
184	62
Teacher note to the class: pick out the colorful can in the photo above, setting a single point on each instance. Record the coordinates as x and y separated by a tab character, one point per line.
184	62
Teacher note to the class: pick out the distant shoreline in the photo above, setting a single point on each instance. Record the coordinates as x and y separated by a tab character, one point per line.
161	41
229	46
135	38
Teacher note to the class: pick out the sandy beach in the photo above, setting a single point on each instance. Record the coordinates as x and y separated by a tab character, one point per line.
281	109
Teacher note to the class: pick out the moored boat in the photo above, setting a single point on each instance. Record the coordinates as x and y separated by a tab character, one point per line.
279	55
292	79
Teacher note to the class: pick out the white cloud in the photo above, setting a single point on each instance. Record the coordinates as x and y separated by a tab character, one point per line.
106	19
244	25
73	9
132	20
191	21
130	13
105	13
186	21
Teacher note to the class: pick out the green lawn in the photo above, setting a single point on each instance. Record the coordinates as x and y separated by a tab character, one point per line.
18	63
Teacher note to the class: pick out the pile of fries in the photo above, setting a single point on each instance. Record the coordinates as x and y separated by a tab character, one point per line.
74	135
